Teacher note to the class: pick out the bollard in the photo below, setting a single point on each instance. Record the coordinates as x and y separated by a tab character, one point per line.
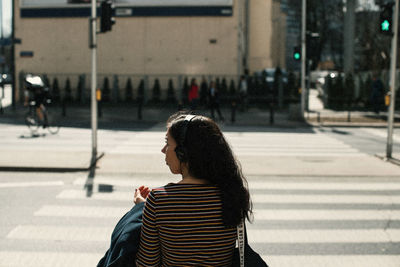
64	107
140	105
98	98
99	109
271	114
233	112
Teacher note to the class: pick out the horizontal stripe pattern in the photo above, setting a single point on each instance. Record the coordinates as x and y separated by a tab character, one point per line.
182	226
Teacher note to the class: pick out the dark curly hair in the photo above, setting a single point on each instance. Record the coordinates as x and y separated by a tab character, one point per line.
210	157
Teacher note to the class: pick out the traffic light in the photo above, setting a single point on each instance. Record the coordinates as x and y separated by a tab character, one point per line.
107	19
297	53
385	19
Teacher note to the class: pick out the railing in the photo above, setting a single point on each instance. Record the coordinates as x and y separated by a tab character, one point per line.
162	89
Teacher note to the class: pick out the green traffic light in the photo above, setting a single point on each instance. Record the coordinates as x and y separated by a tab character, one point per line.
296	56
385	25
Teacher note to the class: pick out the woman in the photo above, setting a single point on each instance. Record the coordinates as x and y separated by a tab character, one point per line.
193	96
193	222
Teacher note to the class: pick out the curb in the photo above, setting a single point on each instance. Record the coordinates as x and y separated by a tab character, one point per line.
42	169
51	169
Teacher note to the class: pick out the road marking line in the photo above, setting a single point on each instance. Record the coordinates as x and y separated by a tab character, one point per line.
325	215
61	233
32	184
129	182
324	236
256	198
259	214
323	186
103	234
333	260
325	199
48	259
82	211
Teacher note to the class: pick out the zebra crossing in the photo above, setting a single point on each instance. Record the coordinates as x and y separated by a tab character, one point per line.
382	133
150	142
316	220
313	222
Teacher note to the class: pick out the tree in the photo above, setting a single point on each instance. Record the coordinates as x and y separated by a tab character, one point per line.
156	91
326	19
115	89
171	92
129	91
372	49
56	91
68	93
106	90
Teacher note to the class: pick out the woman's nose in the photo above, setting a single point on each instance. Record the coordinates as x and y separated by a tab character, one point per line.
163	150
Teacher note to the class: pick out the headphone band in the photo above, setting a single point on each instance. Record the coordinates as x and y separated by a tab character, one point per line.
188	119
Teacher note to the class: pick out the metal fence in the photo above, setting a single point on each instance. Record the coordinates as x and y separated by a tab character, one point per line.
355	92
126	87
164	88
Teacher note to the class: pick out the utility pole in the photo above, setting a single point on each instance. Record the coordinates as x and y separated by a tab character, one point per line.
93	47
303	58
392	93
14	76
2	56
240	40
349	37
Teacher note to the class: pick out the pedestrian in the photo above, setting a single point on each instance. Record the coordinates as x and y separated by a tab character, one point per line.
214	101
193	222
193	96
377	93
203	92
243	93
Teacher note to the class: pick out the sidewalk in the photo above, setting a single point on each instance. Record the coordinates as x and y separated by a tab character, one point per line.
124	117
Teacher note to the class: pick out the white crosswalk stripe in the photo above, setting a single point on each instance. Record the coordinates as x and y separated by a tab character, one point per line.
128	142
276	245
382	133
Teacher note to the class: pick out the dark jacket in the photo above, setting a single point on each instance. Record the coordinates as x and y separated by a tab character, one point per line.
124	240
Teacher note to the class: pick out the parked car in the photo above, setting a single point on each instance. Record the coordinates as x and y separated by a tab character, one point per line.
269	74
317	78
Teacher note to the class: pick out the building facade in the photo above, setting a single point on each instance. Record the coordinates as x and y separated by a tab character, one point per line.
155	38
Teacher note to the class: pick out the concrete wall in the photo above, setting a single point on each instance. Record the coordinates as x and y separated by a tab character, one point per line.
267	35
150	45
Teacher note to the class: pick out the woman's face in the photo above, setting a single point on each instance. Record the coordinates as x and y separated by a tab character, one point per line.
170	156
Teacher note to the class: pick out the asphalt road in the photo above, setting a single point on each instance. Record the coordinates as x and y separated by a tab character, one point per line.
320	196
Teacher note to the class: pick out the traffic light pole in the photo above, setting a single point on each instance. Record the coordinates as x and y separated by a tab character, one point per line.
303	58
93	47
393	59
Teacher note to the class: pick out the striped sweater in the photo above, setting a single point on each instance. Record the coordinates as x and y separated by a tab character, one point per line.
182	226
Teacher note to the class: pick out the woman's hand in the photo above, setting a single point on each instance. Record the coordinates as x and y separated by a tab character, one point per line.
141	194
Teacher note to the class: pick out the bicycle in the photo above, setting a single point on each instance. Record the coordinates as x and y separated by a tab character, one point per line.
33	121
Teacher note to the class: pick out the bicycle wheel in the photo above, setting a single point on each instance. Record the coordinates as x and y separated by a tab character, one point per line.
32	122
52	125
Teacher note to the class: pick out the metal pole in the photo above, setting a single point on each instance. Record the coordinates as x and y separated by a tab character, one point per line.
247	35
94	82
348	60
303	58
3	58
392	93
239	35
14	76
